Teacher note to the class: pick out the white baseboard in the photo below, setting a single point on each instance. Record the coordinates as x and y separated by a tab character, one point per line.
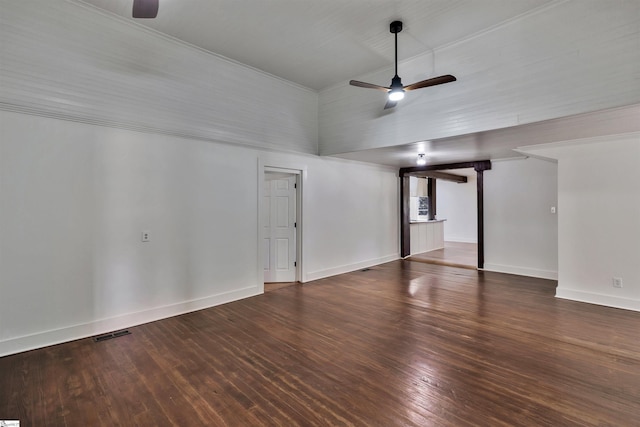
98	327
522	271
321	274
599	299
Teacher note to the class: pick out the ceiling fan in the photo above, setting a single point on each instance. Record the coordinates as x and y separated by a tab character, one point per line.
396	90
145	8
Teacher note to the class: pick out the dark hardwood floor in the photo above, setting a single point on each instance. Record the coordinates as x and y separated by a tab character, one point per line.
274	286
454	254
403	344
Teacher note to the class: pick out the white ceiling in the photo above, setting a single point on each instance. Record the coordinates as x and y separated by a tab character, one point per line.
320	43
503	143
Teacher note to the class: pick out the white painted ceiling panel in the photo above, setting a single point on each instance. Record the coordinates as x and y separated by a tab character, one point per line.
517	62
501	143
320	43
61	60
542	66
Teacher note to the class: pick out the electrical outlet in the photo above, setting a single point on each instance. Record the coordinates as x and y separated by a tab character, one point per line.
617	282
145	236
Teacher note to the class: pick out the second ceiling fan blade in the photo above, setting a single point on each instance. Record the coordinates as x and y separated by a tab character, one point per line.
368	85
448	78
145	8
390	104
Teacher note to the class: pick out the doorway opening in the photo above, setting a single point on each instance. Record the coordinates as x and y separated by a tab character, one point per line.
432	225
456	206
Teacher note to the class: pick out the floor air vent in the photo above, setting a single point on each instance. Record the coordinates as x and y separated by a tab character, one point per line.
111	335
365	269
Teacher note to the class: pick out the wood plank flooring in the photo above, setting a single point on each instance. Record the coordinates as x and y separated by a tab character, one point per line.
274	286
454	254
403	344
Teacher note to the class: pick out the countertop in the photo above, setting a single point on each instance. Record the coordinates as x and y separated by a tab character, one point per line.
421	221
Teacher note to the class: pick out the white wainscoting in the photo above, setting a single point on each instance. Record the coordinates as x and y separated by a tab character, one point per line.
426	236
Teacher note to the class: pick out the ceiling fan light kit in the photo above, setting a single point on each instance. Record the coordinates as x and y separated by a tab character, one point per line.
396	90
396	94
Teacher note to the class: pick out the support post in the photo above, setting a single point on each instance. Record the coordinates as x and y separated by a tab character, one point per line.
405	230
431	193
480	197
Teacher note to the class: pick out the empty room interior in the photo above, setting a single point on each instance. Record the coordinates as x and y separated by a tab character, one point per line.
320	213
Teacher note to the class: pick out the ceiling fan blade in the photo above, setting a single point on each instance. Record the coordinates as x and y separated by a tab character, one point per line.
145	8
390	104
368	85
431	82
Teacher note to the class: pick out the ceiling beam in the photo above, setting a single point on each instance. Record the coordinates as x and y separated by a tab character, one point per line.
443	176
417	170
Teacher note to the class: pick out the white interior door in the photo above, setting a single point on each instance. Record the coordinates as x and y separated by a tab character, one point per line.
279	223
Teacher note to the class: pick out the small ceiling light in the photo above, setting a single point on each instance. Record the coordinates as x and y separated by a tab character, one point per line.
422	160
396	95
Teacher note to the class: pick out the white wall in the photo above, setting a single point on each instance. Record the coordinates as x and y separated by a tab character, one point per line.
598	218
521	233
109	129
457	203
75	197
354	212
537	67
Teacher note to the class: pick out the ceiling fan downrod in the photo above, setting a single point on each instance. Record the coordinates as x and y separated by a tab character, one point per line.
396	92
395	27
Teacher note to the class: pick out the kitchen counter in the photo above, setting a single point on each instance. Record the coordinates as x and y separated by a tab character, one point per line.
426	235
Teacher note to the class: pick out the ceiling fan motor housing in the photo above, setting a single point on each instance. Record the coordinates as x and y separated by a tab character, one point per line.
395	27
396	83
145	8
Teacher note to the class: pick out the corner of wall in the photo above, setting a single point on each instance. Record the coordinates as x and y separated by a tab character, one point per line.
321	274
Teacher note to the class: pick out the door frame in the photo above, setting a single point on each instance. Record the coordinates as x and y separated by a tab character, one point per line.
300	171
